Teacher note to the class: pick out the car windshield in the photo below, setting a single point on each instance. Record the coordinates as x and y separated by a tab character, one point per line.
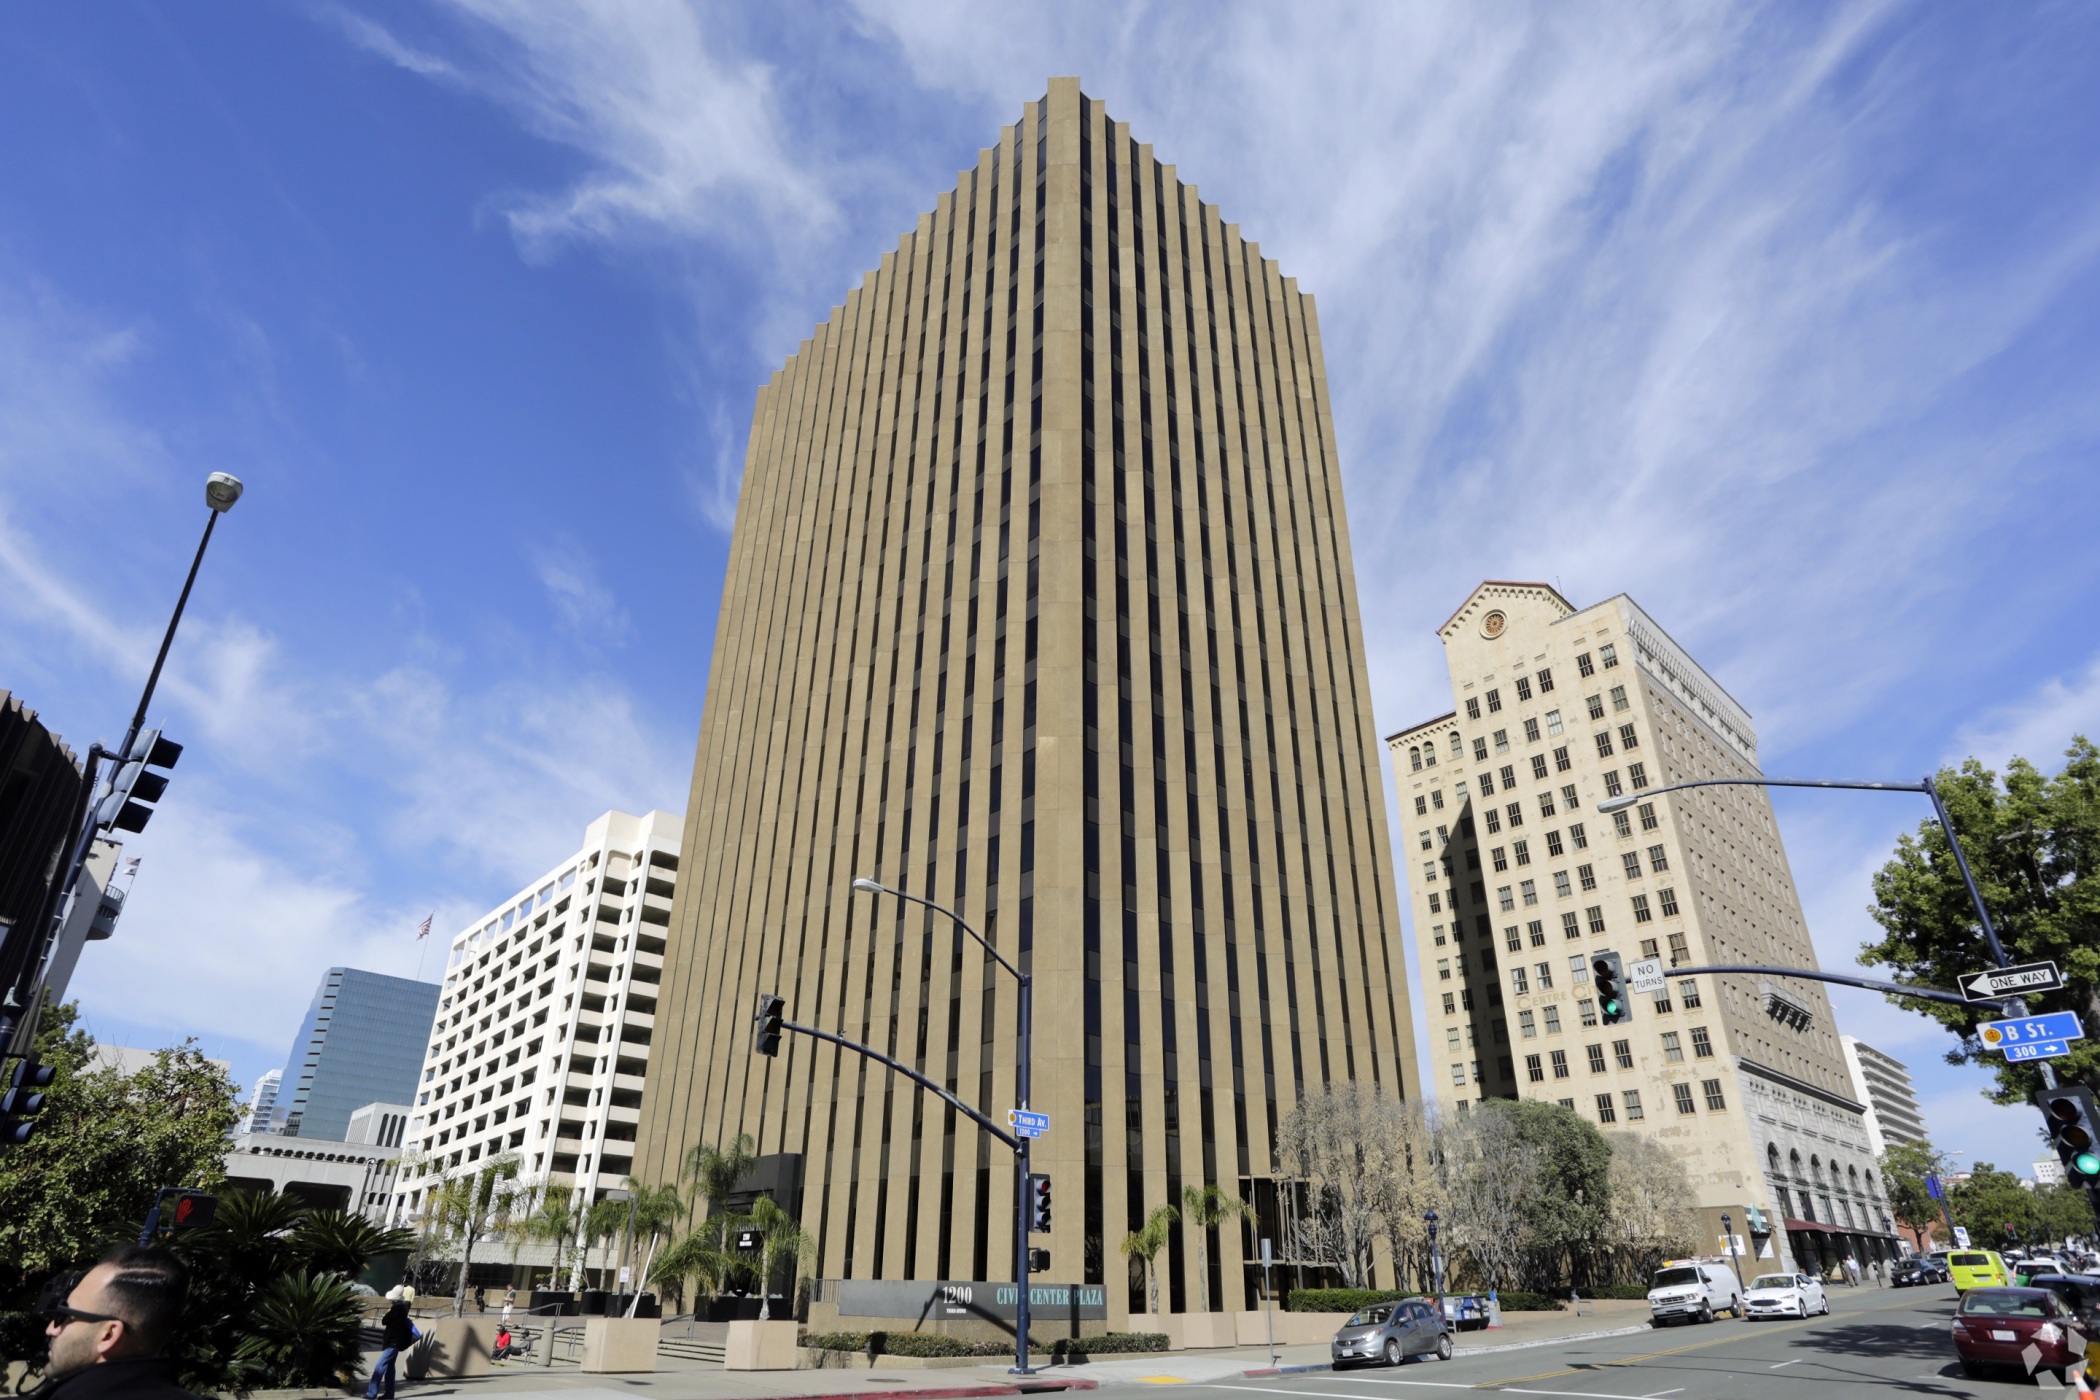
2007	1302
1371	1317
1676	1278
1774	1281
1969	1261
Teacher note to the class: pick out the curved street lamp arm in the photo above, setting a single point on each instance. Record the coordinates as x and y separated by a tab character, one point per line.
1870	983
1620	804
873	887
914	1076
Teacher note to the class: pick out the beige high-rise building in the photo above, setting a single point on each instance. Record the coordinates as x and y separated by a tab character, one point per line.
1039	604
1518	882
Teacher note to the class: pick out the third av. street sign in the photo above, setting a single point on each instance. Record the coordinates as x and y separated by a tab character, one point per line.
2002	982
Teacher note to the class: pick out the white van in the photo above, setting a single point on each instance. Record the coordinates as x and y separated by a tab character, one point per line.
1690	1290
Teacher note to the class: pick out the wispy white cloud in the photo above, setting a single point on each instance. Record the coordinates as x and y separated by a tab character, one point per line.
2037	727
376	38
587	608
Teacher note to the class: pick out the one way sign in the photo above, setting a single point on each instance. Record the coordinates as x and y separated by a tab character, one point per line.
2010	981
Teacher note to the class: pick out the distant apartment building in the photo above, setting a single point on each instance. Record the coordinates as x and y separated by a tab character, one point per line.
2048	1173
545	1019
1882	1083
1517	882
362	1042
262	1103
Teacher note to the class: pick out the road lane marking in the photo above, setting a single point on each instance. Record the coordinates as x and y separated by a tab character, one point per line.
1777	1365
1724	1338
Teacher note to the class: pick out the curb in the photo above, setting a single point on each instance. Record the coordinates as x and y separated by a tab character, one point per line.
959	1392
1288	1370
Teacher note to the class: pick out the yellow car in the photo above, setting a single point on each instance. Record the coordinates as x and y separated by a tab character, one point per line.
1977	1268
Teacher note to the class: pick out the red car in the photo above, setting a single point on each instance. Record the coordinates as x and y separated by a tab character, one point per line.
2025	1329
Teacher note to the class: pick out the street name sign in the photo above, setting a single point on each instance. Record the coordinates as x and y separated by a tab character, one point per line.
2038	1050
1645	975
1026	1124
1999	982
2030	1034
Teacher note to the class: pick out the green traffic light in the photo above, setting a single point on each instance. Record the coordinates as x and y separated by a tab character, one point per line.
2086	1164
1611	1006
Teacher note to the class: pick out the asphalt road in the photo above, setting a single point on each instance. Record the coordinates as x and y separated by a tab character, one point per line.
1891	1342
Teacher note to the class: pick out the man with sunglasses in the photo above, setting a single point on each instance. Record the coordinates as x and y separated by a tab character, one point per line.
109	1338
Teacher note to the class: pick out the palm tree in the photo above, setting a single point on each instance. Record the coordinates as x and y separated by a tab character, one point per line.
694	1258
1145	1244
602	1224
716	1173
1205	1207
469	1207
781	1237
553	1219
655	1210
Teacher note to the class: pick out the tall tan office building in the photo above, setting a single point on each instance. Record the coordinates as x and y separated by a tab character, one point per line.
1039	604
1517	881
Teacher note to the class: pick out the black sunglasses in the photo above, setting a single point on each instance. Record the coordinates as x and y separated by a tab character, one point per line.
65	1314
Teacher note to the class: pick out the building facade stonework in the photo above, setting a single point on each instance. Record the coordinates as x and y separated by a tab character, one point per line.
1517	882
1040	604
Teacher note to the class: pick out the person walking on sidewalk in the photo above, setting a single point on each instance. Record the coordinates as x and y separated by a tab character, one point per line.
397	1333
510	1300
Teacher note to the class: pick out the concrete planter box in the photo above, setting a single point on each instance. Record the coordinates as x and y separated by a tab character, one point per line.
452	1347
761	1346
615	1345
1292	1329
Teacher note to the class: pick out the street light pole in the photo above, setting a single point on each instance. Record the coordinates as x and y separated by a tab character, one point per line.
1728	1229
1023	1057
23	956
1436	1262
1939	809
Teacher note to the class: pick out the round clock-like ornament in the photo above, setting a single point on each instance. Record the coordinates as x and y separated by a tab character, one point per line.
1491	626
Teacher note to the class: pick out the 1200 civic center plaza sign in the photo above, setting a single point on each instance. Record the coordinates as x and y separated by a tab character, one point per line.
925	1300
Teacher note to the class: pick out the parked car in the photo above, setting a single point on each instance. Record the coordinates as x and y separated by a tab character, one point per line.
1977	1268
1785	1295
2036	1264
1917	1270
2080	1292
1392	1332
1690	1291
2023	1328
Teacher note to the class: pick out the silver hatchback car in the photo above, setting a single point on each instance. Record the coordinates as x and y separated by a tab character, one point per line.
1393	1332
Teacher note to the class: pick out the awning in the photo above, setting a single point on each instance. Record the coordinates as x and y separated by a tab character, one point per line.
1814	1227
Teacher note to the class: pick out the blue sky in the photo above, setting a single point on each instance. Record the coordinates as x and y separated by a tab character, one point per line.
1781	318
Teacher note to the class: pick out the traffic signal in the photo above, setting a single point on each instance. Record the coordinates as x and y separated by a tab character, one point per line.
193	1210
23	1100
2073	1122
1608	971
1038	1261
766	1039
1038	1203
134	783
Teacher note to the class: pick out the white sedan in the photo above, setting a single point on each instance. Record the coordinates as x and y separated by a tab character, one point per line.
1785	1295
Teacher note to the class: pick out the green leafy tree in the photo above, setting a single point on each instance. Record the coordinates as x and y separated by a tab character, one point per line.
783	1247
2062	1211
1205	1208
1904	1167
696	1260
1142	1246
1570	1206
1994	1207
2033	844
105	1143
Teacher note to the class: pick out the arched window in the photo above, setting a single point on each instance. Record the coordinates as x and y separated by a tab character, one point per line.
1429	755
1852	1173
1772	1156
1414	759
1458	747
1815	1169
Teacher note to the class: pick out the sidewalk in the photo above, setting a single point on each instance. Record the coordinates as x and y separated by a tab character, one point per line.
698	1380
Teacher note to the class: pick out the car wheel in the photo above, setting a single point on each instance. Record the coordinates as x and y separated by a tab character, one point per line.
1443	1347
1706	1312
1392	1352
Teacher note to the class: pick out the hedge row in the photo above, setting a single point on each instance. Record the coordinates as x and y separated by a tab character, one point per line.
1616	1290
903	1344
1110	1344
1333	1300
1349	1300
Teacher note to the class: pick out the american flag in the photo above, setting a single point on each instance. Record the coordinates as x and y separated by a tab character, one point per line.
423	929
